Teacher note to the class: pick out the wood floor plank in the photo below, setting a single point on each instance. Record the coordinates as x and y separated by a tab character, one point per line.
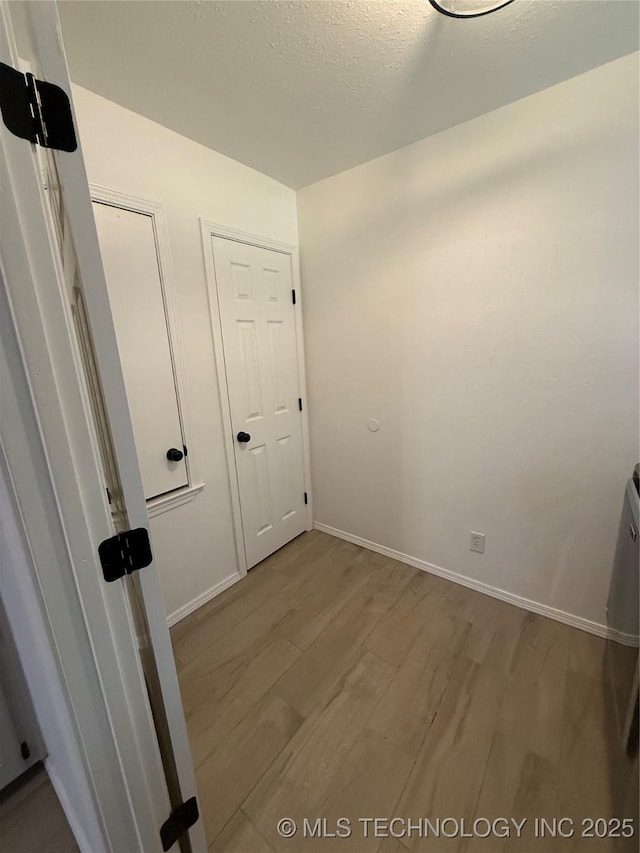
629	803
367	784
391	844
323	560
213	673
198	632
585	778
586	654
334	681
230	773
533	709
447	777
517	784
316	605
213	722
32	819
593	764
299	553
309	683
540	632
301	778
496	629
240	836
397	630
407	710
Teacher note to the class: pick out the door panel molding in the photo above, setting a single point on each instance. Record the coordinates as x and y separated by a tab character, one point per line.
208	230
155	209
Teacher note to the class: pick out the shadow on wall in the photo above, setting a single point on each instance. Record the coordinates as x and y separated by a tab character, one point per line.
443	194
473	292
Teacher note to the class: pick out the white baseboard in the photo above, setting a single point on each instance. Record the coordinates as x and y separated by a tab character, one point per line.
525	603
68	808
623	639
201	599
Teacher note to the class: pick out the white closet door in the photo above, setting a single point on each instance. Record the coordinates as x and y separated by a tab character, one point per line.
259	340
129	254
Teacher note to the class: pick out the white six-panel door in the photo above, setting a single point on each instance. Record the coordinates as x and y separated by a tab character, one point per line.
259	340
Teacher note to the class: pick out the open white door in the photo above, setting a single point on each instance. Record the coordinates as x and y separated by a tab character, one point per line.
66	433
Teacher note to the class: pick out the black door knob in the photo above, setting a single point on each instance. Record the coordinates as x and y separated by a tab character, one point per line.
174	455
243	437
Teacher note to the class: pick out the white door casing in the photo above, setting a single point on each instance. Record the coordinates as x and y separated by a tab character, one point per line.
130	257
49	439
260	361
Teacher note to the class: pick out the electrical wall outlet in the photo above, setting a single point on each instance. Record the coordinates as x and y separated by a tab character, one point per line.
477	542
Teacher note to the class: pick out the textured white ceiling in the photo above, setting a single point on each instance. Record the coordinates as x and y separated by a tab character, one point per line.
302	90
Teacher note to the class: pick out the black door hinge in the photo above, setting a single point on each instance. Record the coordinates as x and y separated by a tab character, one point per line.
125	553
300	403
306	499
36	110
293	296
180	820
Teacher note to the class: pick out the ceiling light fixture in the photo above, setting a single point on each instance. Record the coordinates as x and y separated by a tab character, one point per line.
468	8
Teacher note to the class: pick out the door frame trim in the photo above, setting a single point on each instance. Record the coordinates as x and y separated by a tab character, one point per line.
208	230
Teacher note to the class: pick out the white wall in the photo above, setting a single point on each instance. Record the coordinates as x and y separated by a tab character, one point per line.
194	544
477	292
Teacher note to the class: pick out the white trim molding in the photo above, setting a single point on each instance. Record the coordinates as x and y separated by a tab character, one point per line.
630	640
216	229
203	598
495	592
156	506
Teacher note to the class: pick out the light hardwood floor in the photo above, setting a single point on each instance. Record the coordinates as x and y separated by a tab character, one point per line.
336	683
31	818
